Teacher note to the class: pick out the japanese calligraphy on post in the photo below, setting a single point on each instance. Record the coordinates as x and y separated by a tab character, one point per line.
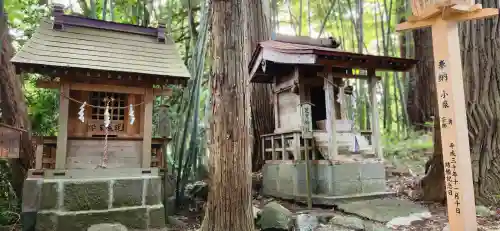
449	136
306	125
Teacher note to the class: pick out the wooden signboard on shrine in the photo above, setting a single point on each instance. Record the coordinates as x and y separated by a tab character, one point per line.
10	141
443	18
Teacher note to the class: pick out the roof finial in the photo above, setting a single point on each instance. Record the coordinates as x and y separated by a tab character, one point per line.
161	32
57	12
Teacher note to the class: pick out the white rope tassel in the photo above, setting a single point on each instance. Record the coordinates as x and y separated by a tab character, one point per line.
131	115
81	113
107	120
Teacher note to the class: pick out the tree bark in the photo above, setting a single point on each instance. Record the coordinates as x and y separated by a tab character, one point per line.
480	50
481	60
260	94
421	104
229	199
14	109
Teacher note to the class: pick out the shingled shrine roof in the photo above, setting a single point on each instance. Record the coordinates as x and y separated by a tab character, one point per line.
289	53
74	42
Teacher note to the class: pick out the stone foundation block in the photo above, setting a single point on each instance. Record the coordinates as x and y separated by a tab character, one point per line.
46	222
127	192
49	195
345	172
31	195
153	191
92	195
131	218
372	171
156	218
345	188
373	185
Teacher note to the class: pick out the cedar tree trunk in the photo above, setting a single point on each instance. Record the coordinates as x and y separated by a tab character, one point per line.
14	109
229	204
421	89
259	29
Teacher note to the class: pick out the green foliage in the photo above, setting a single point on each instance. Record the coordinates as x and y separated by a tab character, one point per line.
415	141
43	105
9	205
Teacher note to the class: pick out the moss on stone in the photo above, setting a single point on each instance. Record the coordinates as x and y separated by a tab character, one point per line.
86	196
46	222
127	193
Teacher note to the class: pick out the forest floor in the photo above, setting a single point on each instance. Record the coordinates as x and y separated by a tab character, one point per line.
402	174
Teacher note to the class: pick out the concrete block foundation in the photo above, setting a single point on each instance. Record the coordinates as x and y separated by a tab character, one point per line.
73	200
287	179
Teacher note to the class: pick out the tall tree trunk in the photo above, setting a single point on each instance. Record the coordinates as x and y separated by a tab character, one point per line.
422	107
229	204
421	103
14	109
480	43
260	94
481	59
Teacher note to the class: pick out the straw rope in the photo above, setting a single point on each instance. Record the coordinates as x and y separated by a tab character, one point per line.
100	107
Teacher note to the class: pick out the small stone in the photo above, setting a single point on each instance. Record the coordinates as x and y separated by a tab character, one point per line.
275	216
306	222
107	227
256	212
348	222
482	211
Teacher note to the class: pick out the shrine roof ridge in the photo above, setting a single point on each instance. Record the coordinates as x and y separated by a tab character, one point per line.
61	19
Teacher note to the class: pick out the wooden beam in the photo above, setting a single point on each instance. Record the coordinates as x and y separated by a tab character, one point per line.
454	136
278	57
148	128
376	142
275	100
330	123
452	111
256	65
39	155
306	40
104	88
62	135
451	16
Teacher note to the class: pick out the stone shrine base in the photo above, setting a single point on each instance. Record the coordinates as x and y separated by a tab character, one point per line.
330	182
75	199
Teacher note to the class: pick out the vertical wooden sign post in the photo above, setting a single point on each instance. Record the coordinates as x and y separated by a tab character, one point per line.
443	18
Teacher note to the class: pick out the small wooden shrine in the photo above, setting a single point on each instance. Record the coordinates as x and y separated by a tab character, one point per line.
310	101
104	164
103	70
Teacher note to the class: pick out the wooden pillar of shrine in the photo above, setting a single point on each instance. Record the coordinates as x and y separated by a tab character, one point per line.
62	135
331	117
376	144
148	128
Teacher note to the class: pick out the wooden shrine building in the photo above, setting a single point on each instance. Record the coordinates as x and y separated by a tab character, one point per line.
107	75
311	100
88	60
